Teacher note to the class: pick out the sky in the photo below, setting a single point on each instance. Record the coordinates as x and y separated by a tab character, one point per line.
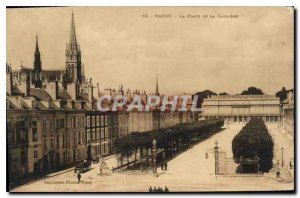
119	45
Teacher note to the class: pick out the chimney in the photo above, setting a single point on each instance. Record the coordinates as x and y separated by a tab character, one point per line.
27	86
50	88
98	90
77	89
8	79
90	93
71	90
56	89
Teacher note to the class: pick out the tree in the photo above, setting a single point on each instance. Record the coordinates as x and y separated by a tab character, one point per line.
172	139
282	94
252	91
254	140
203	94
223	94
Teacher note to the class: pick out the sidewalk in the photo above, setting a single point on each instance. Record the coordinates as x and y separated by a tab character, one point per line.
34	179
189	171
283	140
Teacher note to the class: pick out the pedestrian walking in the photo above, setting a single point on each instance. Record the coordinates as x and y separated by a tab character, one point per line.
166	189
166	166
291	165
278	173
150	189
78	177
154	190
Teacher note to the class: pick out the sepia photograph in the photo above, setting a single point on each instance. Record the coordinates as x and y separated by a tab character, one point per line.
150	99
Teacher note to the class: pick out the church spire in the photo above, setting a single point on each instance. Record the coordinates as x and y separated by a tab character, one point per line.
36	44
157	92
74	68
37	57
73	39
37	64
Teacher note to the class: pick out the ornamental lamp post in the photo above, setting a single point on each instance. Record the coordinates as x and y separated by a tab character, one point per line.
228	123
154	156
164	163
281	156
216	148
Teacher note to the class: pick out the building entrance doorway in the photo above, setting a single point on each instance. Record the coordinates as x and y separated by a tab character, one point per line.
57	160
74	156
45	163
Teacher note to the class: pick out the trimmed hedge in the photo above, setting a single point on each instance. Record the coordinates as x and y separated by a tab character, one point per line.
254	140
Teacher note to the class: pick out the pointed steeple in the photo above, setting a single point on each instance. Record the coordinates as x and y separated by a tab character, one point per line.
36	44
73	39
37	57
74	67
37	64
157	92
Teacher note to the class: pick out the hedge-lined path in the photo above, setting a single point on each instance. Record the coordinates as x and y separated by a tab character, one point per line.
189	171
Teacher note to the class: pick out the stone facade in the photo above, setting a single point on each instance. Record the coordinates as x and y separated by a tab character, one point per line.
44	140
240	108
46	127
151	120
53	121
99	136
288	111
140	121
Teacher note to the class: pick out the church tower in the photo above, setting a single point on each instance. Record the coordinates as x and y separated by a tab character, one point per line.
74	67
37	65
156	91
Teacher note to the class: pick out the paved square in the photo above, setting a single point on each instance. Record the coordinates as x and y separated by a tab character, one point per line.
189	171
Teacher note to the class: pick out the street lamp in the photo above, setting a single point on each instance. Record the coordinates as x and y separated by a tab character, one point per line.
281	156
216	148
228	123
154	156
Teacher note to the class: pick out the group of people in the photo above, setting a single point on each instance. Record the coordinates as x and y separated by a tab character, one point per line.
158	189
277	165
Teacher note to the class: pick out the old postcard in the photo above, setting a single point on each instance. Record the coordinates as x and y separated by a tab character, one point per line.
150	99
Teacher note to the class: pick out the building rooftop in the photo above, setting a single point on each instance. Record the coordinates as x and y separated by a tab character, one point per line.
11	105
40	94
16	91
26	68
64	95
240	97
40	106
